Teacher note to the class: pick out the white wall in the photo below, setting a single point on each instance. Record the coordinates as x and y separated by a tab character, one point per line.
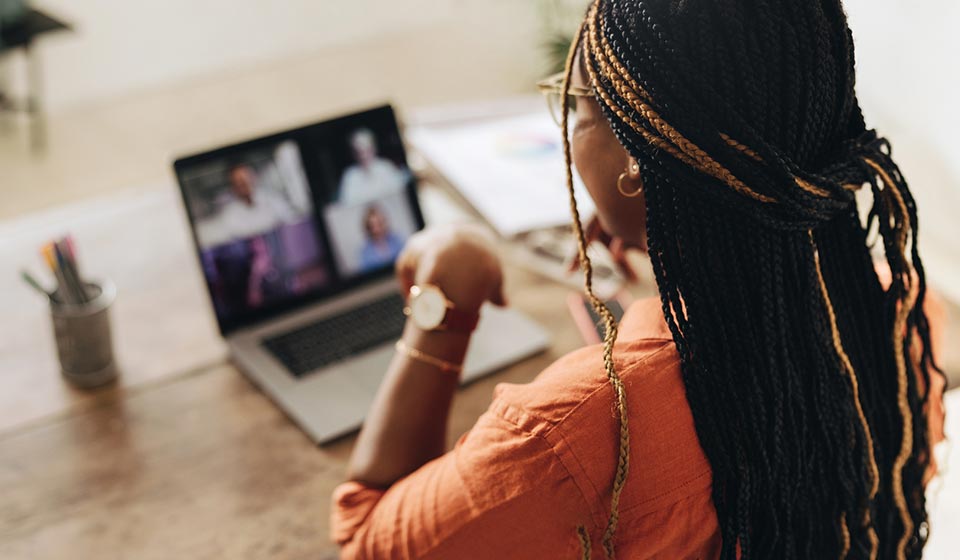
122	46
907	50
907	68
908	80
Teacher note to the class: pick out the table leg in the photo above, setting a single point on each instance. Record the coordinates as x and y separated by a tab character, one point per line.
38	118
7	104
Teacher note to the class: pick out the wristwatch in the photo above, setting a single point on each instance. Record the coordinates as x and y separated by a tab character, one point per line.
430	310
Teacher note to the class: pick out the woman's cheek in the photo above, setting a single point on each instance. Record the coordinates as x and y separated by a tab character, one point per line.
590	162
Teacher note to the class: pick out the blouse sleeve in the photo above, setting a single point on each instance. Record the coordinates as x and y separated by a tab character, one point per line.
499	490
936	414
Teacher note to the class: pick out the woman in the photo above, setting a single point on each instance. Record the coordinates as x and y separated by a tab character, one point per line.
771	403
382	245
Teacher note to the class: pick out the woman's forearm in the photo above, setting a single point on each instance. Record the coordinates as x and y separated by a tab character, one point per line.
407	423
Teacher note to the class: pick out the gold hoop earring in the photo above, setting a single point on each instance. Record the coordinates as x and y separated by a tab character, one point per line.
629	194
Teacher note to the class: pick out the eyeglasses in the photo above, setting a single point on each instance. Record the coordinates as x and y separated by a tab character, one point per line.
552	89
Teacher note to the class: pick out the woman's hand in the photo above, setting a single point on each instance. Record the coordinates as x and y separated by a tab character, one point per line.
460	259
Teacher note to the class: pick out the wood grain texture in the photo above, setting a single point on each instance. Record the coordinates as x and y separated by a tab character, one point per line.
203	466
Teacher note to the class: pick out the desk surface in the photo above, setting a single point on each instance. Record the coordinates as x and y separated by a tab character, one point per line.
203	465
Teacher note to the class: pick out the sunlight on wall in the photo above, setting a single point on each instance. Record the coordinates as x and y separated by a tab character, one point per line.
124	47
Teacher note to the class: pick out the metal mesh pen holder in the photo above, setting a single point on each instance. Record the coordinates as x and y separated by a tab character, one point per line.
82	335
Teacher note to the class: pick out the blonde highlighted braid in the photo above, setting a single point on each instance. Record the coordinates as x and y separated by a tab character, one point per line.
610	336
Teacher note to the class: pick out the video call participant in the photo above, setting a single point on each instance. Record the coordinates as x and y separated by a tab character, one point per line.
382	245
250	210
371	177
246	275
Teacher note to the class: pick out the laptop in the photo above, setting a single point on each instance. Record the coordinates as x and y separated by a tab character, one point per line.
296	234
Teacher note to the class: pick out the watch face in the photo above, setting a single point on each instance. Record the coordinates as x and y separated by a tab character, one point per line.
428	308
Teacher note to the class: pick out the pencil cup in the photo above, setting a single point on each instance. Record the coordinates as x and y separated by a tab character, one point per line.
82	334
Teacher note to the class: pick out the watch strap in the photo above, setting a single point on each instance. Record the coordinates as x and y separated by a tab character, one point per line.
460	321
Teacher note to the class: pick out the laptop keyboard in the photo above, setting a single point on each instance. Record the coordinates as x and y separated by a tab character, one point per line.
338	337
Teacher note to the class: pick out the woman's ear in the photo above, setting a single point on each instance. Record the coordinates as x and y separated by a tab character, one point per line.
633	167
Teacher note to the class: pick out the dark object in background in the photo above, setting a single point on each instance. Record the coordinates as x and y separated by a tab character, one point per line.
11	13
19	29
19	26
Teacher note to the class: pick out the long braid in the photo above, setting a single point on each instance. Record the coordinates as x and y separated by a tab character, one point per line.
794	358
872	471
610	338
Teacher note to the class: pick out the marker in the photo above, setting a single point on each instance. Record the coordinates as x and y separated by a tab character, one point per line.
62	294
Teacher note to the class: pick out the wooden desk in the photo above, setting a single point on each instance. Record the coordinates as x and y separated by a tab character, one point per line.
204	466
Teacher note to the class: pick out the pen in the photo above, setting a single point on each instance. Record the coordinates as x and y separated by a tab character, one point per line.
33	283
72	250
72	281
65	247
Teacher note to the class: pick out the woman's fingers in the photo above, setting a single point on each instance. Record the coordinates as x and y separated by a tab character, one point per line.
616	246
406	269
618	251
460	259
499	297
593	232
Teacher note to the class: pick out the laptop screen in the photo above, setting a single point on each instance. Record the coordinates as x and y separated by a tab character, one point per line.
300	215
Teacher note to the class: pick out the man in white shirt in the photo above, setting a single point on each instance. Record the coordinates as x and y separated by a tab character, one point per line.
251	210
371	177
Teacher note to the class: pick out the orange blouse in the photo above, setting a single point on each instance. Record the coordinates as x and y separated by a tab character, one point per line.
540	462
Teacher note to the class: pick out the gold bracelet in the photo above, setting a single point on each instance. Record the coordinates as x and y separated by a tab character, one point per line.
445	366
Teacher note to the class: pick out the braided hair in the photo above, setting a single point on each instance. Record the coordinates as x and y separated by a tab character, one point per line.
743	117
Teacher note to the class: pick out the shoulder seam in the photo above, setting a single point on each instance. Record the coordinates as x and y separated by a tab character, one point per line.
631	366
